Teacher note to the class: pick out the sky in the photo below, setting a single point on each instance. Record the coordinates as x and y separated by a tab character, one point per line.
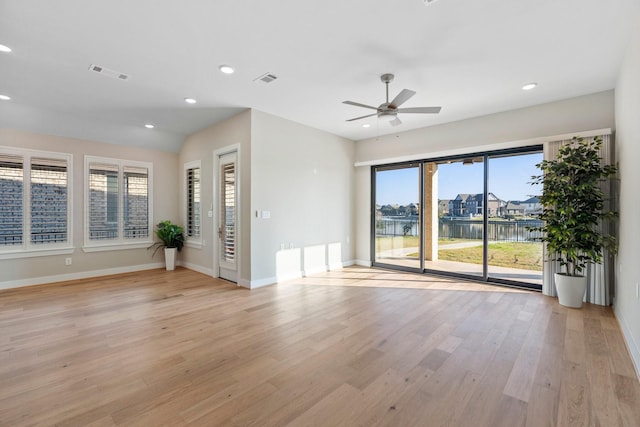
509	179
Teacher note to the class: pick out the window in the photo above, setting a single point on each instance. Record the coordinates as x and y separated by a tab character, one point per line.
35	210
192	205
118	197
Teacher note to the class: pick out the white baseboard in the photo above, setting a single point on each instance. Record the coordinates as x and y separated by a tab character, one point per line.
315	270
244	283
195	267
10	284
289	276
363	263
296	275
632	345
254	284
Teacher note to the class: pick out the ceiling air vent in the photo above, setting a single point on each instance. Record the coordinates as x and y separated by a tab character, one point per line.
266	78
108	72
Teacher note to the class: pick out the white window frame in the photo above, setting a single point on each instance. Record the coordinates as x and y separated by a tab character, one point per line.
28	249
120	242
195	242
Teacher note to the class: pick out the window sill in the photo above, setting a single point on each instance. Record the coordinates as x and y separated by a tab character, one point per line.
195	245
30	253
116	246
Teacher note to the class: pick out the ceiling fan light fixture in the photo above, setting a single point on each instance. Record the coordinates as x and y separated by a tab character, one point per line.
190	100
5	97
4	48
386	116
529	86
149	126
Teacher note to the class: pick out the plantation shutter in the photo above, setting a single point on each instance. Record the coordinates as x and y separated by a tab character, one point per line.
48	201
136	202
11	208
193	202
229	210
103	201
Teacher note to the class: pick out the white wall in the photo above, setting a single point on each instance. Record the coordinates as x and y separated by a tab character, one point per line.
201	146
582	113
305	178
495	131
35	270
627	105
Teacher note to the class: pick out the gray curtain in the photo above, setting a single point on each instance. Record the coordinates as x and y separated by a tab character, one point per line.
601	277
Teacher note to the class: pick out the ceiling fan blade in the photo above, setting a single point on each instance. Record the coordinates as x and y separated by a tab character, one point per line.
395	122
363	117
423	110
401	98
357	104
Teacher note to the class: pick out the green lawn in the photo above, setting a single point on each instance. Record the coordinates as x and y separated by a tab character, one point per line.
524	255
394	242
388	242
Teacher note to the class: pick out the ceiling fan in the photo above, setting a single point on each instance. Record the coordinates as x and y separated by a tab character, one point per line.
390	110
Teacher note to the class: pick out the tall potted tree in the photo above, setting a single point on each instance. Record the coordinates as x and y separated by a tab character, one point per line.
573	206
171	239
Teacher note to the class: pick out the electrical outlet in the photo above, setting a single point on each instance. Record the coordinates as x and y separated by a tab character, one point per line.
67	261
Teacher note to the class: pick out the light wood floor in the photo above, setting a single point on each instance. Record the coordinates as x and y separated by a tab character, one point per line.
357	347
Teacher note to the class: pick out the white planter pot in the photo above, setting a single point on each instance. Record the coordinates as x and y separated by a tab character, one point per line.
170	258
571	289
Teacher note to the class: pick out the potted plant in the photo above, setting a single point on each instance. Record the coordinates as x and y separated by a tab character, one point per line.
172	239
573	207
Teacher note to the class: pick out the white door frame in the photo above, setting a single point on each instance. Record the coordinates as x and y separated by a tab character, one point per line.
234	148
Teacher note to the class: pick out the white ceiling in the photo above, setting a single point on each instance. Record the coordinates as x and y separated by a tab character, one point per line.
469	56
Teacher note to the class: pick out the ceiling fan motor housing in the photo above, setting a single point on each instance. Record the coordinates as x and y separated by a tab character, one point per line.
386	78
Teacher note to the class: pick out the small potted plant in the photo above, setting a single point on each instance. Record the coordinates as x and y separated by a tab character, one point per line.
172	239
573	207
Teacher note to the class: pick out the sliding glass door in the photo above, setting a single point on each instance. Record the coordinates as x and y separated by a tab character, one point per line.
465	216
397	215
457	187
513	252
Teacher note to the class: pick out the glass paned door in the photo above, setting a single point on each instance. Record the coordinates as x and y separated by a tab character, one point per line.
397	216
456	191
513	252
227	225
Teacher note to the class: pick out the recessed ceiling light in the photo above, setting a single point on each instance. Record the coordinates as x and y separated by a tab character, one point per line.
366	125
190	100
149	126
5	97
226	69
4	48
529	86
